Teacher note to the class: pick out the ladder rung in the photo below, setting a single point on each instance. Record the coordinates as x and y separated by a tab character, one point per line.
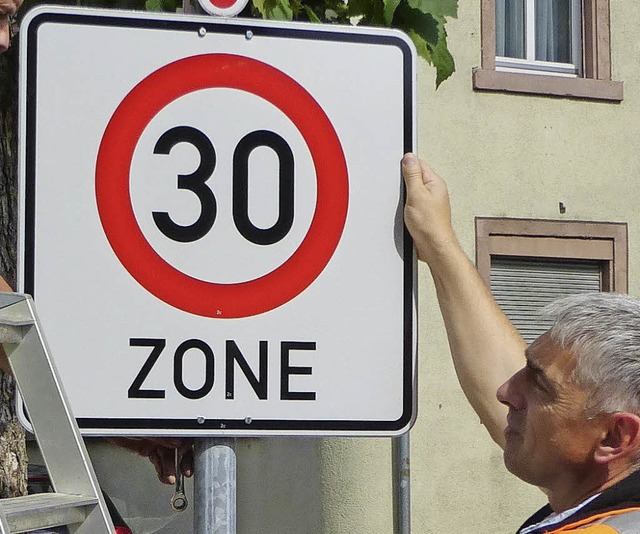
44	510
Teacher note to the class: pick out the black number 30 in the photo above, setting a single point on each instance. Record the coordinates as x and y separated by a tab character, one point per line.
196	183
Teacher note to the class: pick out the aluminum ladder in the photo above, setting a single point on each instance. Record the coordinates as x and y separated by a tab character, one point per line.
77	500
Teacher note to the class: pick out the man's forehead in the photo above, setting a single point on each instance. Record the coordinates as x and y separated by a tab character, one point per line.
544	353
541	345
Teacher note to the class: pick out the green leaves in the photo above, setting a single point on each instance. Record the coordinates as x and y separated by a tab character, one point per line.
389	10
423	20
161	5
427	31
274	9
442	59
436	8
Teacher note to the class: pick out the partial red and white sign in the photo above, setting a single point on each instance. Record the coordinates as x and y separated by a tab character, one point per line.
223	8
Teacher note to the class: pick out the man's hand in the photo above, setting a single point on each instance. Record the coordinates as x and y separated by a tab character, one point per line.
161	453
4	287
7	9
427	211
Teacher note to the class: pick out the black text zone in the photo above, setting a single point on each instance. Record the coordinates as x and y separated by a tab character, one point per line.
295	358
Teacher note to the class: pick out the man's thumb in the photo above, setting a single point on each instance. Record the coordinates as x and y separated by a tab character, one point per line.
411	170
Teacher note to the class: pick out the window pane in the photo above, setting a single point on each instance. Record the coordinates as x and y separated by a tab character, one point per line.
510	28
553	30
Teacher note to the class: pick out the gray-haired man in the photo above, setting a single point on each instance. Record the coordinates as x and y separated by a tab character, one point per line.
567	408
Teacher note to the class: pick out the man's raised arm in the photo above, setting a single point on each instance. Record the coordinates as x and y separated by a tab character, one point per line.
485	347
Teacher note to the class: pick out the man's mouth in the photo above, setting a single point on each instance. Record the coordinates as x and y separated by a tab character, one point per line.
510	432
511	429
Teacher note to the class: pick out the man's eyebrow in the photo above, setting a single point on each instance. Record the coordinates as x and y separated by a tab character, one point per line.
541	376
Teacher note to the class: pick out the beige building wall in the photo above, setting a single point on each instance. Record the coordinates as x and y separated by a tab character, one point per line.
502	155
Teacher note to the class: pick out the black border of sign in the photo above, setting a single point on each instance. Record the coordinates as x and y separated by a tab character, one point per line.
253	427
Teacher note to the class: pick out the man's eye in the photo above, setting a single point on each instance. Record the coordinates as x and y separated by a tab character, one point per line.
537	380
540	383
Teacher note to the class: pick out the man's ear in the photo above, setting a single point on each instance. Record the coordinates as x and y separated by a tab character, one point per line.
622	438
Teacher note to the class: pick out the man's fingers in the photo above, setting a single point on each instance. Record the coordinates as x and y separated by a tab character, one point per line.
9	7
4	286
429	177
4	33
163	461
166	466
161	453
154	458
186	463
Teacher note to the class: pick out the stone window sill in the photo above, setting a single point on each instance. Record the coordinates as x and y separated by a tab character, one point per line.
582	88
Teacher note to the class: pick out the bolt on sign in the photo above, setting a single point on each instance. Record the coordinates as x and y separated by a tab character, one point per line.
211	221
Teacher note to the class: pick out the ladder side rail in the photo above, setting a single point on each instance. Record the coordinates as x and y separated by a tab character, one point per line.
4	526
61	444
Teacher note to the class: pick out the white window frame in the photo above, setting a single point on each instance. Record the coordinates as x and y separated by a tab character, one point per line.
532	66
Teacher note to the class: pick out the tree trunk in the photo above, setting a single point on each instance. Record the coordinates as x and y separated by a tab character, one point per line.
13	455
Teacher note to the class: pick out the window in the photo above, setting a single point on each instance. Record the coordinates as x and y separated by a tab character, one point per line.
529	263
539	36
552	47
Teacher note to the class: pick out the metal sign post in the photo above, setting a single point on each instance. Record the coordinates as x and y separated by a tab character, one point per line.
215	486
401	473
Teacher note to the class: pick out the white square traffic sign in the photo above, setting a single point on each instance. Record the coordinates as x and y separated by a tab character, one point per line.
211	221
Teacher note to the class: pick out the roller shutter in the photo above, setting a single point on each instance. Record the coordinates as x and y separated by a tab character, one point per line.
523	286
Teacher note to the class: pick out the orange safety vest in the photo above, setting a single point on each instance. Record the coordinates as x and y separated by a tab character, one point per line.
623	521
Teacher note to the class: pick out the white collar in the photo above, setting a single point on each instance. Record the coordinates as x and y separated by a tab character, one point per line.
554	518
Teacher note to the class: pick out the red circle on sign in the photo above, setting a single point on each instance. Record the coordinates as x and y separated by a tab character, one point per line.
113	194
223	4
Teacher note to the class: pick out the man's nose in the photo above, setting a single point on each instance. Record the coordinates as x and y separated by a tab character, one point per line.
509	393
